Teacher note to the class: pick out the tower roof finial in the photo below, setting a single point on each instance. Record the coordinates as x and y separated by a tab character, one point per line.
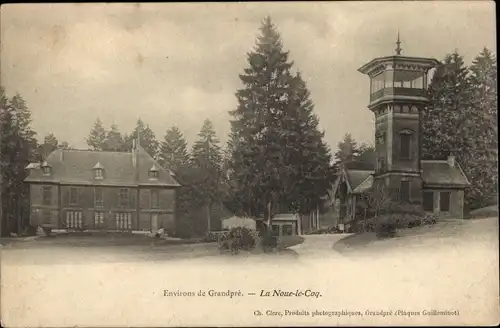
398	49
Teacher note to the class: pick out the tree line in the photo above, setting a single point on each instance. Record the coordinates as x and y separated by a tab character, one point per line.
276	159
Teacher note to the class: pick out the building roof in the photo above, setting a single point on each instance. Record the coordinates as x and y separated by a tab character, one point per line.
356	177
364	186
435	173
372	66
440	173
120	168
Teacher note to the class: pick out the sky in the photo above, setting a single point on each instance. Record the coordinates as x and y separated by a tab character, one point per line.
178	64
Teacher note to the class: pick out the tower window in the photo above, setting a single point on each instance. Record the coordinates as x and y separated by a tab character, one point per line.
405	142
405	191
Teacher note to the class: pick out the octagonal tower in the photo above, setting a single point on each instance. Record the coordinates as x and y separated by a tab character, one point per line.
398	95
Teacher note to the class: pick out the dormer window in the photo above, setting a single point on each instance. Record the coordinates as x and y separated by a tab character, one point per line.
98	171
153	172
46	168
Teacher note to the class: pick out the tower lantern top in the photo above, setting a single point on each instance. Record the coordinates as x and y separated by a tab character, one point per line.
398	48
398	77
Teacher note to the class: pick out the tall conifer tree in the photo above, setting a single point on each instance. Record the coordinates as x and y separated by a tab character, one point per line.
277	152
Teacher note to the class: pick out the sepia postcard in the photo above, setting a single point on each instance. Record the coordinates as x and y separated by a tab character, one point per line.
249	164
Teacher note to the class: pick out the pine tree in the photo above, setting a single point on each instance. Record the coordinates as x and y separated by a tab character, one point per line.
173	155
449	93
307	167
277	155
64	145
5	118
366	154
347	149
97	136
173	152
50	143
207	162
482	131
17	149
114	140
146	136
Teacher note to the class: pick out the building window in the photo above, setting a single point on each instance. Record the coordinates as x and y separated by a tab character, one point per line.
287	230
405	145
275	230
155	199
98	219
74	220
153	172
444	202
98	174
73	196
123	221
405	191
378	83
46	168
47	195
98	171
124	197
428	201
98	197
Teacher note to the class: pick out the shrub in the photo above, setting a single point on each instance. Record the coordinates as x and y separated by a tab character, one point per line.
236	239
401	218
268	241
213	236
386	230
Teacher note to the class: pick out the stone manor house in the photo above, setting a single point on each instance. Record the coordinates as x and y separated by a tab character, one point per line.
101	190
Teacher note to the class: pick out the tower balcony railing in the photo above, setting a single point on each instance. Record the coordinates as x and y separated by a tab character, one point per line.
409	92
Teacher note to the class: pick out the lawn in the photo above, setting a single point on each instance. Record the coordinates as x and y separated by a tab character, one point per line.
96	286
444	233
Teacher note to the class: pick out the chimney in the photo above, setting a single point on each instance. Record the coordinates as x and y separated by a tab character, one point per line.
137	158
451	161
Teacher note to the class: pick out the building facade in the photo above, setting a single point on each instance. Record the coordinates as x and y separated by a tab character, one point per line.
98	190
398	96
